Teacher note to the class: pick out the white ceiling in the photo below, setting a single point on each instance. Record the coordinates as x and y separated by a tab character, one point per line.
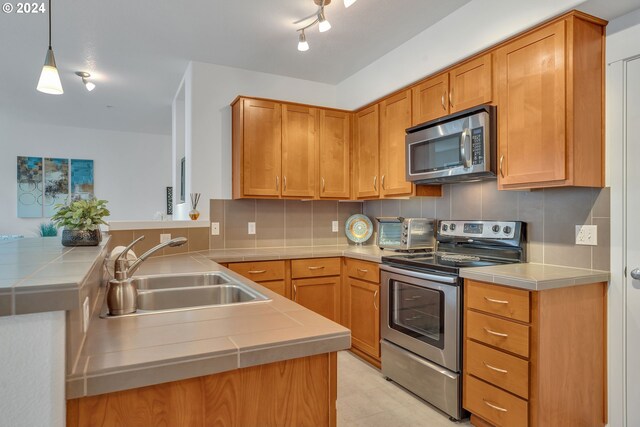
137	51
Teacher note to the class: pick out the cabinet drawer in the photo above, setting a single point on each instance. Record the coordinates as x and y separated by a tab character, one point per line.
363	270
504	334
277	286
494	405
499	300
259	271
501	369
315	267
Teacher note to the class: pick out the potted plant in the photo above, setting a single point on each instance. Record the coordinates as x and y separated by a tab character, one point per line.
81	220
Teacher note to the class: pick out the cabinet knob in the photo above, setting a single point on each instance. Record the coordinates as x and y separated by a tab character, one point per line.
635	273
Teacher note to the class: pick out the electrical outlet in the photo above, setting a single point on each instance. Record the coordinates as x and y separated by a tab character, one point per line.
215	228
587	235
165	237
252	228
334	226
85	314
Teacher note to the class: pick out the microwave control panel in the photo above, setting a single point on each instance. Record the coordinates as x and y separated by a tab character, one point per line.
477	146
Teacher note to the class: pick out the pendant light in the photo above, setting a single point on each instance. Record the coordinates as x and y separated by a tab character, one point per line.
323	24
303	46
49	79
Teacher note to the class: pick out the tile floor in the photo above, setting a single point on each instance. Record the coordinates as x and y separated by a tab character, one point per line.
366	399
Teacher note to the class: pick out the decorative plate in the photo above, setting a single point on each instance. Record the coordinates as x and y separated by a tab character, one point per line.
358	228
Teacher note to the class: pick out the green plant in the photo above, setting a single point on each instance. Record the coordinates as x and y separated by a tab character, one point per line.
83	215
48	229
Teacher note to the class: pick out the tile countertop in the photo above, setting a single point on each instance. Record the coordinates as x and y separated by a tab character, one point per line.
131	352
39	274
365	252
535	277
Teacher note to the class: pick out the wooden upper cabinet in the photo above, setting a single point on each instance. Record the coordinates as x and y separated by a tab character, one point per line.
470	84
395	118
550	106
431	99
299	139
333	155
366	154
532	108
261	147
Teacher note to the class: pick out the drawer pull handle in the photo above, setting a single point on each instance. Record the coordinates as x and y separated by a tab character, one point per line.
496	407
502	371
316	268
363	270
256	271
497	301
498	334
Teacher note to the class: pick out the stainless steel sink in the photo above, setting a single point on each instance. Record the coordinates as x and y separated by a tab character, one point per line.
164	281
165	293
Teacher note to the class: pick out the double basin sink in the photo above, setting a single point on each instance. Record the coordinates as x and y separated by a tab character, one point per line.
162	293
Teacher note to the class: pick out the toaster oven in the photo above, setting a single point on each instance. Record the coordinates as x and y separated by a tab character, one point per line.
405	234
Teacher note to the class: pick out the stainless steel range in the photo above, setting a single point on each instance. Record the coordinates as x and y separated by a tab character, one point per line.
422	306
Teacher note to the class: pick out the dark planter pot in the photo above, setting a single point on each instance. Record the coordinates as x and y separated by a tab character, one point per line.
81	237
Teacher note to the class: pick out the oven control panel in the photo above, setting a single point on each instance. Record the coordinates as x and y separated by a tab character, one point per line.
478	229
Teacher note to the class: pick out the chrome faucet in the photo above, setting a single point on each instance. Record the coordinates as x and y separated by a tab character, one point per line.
122	295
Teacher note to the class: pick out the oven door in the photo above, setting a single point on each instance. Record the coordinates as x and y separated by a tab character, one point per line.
421	313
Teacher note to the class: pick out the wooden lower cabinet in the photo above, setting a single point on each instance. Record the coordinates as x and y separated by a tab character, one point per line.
296	392
319	294
270	274
535	358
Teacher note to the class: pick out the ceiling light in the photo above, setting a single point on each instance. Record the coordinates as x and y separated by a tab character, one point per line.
87	84
49	81
303	46
323	25
348	3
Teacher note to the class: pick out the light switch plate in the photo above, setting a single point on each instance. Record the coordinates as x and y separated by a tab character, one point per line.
587	235
251	228
85	314
334	226
215	228
165	237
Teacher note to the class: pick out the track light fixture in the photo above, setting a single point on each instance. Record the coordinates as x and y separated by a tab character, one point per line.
316	18
85	76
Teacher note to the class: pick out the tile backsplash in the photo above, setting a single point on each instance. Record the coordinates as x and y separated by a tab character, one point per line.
551	216
279	223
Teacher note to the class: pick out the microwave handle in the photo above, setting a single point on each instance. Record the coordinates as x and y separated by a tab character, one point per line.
465	148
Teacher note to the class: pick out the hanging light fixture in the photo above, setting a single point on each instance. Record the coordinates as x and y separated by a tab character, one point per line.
85	76
303	46
49	79
323	24
348	3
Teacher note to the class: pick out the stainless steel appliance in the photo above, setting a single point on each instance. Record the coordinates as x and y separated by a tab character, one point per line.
421	320
458	147
405	234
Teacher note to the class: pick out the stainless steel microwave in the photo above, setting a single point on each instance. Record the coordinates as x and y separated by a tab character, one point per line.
459	147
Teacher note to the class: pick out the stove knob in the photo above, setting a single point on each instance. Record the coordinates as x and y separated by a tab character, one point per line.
445	227
453	227
495	228
506	229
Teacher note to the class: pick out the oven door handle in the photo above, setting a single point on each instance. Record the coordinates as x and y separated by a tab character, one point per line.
419	275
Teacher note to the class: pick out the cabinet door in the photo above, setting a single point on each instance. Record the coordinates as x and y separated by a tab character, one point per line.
261	147
395	118
298	150
531	108
431	99
320	295
364	316
470	84
366	161
333	154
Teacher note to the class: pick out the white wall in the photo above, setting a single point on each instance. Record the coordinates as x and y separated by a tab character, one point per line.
209	92
32	373
475	26
132	170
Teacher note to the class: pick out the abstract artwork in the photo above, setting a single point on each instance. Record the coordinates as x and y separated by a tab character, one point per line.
81	179
29	187
44	183
56	184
